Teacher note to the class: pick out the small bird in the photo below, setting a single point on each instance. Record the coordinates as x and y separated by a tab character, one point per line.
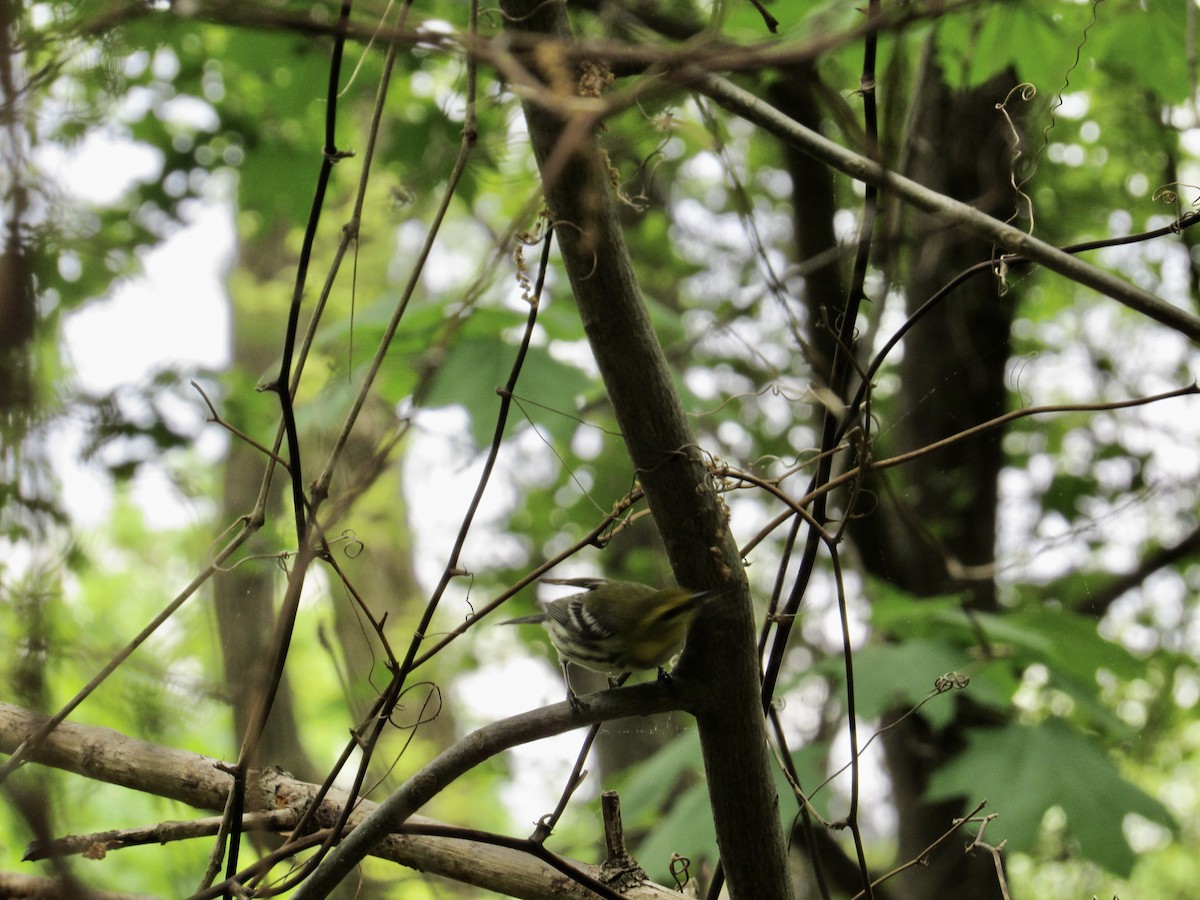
617	626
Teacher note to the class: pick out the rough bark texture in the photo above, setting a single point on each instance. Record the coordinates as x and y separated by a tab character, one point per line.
719	670
937	517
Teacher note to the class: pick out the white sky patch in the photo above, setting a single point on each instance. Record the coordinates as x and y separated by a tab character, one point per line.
101	168
517	685
175	314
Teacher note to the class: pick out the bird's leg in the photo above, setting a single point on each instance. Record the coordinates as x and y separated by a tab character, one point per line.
572	699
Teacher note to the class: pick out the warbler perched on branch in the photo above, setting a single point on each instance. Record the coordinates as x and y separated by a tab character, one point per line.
617	626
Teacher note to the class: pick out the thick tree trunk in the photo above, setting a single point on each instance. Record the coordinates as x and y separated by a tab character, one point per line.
813	206
719	671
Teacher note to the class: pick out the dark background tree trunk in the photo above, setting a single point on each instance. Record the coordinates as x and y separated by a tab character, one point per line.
246	594
934	530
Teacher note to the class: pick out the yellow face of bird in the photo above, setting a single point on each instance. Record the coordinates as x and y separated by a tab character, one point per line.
664	619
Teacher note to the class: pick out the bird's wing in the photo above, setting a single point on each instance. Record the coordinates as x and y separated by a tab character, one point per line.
572	615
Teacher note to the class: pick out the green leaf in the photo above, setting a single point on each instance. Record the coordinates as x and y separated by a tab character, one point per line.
899	613
975	45
1137	43
1146	43
686	827
1024	770
890	676
1073	643
1073	651
1069	645
650	785
475	367
1065	492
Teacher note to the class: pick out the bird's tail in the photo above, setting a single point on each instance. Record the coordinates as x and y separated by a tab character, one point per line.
535	619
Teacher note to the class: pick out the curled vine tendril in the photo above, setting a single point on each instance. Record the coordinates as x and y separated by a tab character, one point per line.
1169	195
1026	92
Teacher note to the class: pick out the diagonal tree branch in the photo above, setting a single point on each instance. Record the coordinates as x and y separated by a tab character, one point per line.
466	754
1096	602
1013	240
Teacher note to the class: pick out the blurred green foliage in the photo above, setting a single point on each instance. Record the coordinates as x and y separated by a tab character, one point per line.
1103	713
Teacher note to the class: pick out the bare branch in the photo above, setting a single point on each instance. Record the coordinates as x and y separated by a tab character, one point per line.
204	783
1096	602
97	844
35	887
1013	240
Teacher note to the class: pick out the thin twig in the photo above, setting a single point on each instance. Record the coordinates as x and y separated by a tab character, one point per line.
216	419
97	844
921	858
546	824
19	755
995	850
